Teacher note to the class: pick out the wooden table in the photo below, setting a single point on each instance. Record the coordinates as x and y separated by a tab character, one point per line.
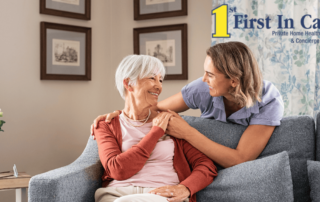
20	184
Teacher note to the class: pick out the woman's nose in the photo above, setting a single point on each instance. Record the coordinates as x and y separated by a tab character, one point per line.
204	78
158	84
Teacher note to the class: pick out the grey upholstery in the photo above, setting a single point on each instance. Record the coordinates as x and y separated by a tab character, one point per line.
75	182
79	180
267	179
314	179
318	137
296	135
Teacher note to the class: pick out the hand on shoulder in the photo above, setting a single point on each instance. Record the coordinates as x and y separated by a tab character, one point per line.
106	117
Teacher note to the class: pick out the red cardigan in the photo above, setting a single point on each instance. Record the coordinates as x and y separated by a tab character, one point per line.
121	166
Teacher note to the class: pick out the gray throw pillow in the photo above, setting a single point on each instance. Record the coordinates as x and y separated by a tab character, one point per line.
314	179
266	179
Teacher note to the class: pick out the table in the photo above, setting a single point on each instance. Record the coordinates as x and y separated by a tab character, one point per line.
20	184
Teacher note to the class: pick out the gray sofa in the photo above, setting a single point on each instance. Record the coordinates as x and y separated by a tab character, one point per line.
279	174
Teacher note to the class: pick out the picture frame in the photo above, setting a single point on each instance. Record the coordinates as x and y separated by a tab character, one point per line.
151	9
168	43
78	9
65	52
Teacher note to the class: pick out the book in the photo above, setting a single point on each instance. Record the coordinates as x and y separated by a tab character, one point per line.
9	181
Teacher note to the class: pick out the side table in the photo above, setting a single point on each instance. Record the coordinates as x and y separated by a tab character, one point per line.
20	184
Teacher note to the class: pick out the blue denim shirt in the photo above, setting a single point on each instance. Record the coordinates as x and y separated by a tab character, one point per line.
267	112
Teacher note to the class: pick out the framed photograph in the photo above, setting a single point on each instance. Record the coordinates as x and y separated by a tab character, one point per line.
65	52
169	44
150	9
79	9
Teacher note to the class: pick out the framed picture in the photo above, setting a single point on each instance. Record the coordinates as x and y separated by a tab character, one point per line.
79	9
150	9
169	44
65	52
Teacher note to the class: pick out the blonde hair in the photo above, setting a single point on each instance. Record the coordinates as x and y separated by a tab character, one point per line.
236	61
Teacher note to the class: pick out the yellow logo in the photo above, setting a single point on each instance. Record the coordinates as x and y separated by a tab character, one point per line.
221	22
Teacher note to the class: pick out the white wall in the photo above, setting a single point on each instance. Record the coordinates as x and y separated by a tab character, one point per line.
47	122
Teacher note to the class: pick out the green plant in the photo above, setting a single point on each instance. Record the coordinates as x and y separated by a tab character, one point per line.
1	121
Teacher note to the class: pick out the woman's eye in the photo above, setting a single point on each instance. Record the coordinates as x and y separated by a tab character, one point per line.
152	78
161	81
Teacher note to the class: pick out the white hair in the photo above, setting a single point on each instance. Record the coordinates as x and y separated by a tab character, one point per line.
135	67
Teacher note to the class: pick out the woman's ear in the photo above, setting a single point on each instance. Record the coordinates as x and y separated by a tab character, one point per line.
234	83
126	84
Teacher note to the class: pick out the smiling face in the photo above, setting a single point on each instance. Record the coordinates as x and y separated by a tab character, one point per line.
218	84
147	90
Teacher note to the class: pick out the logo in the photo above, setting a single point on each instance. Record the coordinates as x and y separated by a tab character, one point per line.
221	21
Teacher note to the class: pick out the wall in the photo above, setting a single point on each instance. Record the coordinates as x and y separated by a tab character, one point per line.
47	122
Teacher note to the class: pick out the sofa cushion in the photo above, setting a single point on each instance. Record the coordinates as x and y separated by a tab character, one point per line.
314	179
296	135
318	137
266	179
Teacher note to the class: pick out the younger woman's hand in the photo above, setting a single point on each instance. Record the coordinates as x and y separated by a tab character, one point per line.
175	193
106	117
178	127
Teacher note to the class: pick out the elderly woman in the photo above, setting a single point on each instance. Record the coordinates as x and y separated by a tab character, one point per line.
139	159
232	91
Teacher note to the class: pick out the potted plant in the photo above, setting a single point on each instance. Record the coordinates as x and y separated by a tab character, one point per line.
1	121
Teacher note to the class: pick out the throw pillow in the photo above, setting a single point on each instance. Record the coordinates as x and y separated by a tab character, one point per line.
314	179
266	179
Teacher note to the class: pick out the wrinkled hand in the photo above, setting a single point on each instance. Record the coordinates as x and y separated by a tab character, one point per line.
106	117
175	193
161	120
177	126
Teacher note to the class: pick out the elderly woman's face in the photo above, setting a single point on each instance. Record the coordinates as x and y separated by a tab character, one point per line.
218	84
147	90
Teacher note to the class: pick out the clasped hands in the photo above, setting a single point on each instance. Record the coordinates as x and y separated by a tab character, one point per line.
177	126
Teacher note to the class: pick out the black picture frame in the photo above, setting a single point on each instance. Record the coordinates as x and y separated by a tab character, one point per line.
78	59
164	7
70	12
178	33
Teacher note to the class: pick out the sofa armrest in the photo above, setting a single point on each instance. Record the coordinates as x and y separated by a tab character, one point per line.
75	182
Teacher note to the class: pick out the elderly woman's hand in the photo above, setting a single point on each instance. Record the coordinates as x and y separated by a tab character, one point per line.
174	193
161	120
178	127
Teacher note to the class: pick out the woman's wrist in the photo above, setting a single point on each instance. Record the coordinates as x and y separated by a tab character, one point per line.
190	134
186	188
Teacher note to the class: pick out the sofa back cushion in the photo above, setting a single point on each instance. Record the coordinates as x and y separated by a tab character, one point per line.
296	135
314	179
318	137
243	182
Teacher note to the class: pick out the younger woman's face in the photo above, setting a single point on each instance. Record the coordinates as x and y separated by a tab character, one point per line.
218	84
